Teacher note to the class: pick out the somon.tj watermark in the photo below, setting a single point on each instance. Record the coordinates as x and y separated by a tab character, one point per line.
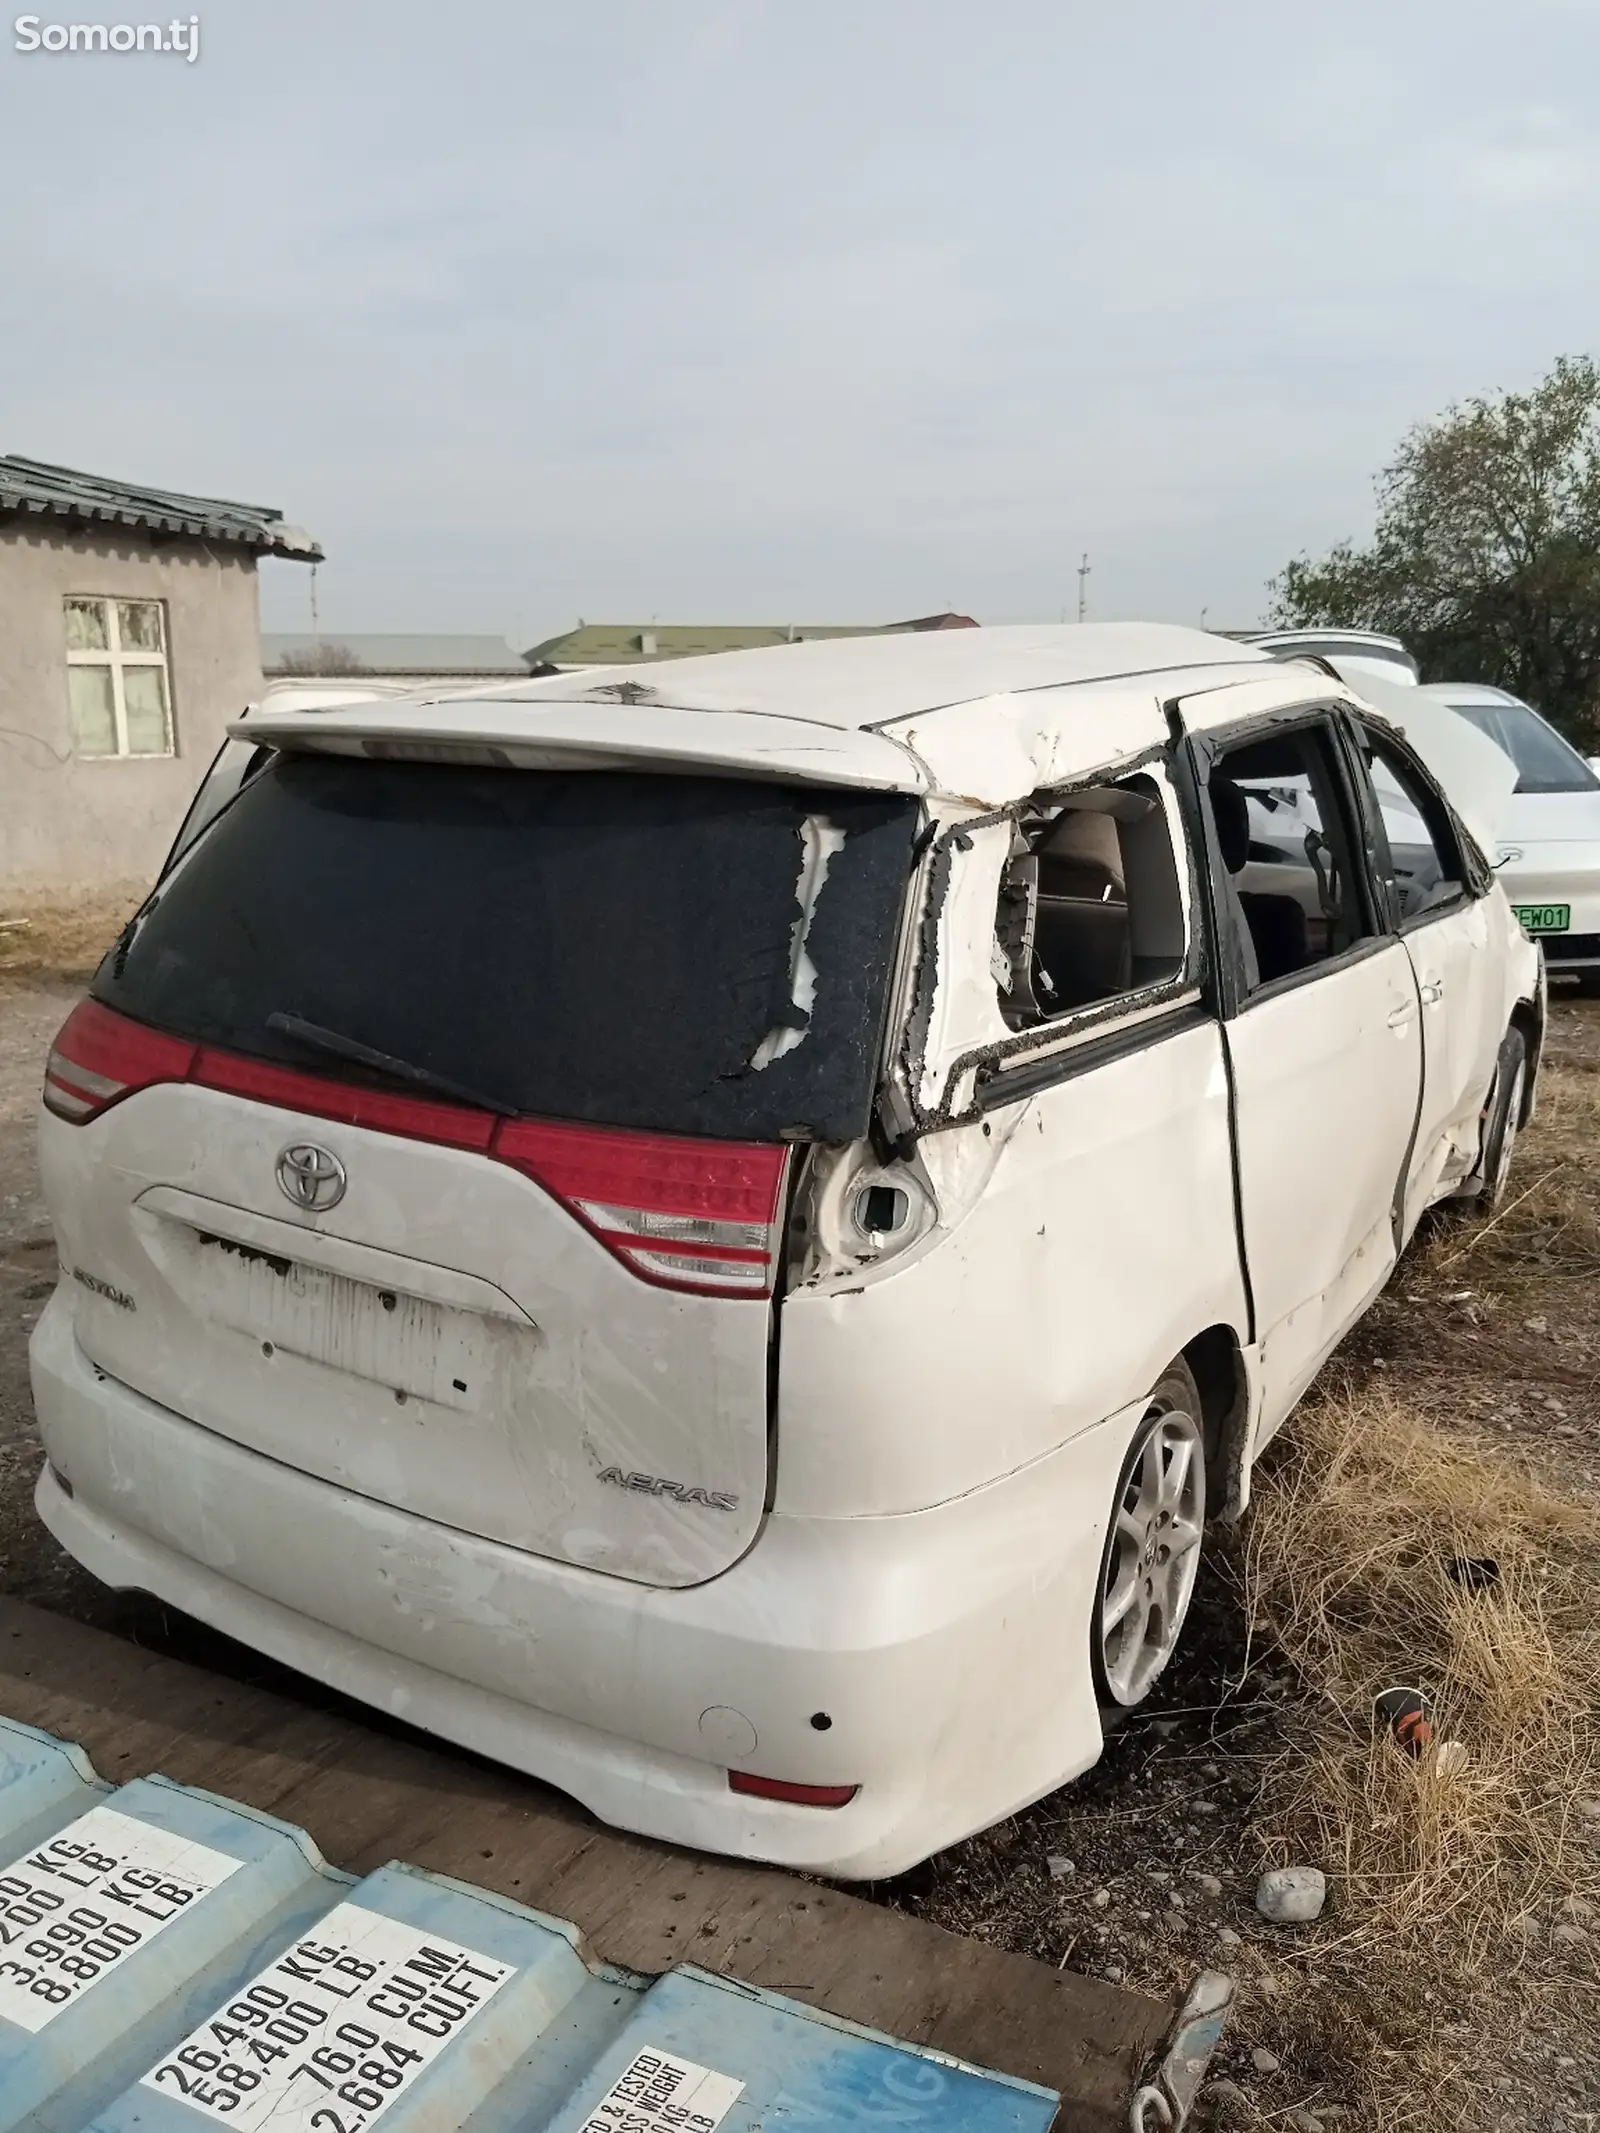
181	36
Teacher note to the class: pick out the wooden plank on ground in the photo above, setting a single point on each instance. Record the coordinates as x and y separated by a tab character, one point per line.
368	1795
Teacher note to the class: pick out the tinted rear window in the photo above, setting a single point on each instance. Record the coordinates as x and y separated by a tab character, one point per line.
603	946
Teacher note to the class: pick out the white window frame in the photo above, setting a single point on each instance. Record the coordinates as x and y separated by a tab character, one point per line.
117	660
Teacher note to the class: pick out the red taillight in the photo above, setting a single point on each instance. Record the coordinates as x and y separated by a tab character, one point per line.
690	1214
418	1118
759	1788
686	1214
99	1057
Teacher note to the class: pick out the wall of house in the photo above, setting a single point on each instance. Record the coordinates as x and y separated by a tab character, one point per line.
73	824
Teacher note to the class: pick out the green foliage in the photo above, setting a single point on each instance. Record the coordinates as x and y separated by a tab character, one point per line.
1486	554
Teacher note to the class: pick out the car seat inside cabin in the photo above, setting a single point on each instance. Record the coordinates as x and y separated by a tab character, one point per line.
1090	907
1281	838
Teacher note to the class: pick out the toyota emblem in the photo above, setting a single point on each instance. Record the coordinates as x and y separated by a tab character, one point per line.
311	1177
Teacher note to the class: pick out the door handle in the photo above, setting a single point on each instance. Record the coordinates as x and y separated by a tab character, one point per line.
1401	1015
1432	990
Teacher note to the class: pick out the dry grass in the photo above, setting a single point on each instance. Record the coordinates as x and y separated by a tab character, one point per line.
1441	1962
1347	1564
45	938
1550	1222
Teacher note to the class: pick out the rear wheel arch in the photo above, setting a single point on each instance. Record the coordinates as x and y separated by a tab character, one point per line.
1215	1360
1508	1107
1528	1017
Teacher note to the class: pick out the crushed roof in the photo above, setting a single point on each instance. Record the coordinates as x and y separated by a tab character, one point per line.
985	715
867	680
33	487
404	652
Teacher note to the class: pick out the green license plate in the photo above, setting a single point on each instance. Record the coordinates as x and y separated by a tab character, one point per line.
1544	918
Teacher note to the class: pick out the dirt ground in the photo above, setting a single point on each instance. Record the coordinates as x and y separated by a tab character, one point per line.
1145	1870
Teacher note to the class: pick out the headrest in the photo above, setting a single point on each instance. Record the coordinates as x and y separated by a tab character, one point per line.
1231	813
1091	839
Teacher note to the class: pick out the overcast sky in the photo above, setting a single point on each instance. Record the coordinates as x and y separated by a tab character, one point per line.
790	310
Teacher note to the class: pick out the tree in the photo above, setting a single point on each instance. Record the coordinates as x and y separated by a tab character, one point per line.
1485	558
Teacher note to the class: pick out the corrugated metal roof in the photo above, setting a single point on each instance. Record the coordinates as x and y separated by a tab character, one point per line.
33	486
608	644
422	652
175	1959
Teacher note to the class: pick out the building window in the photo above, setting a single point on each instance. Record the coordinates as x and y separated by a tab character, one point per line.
118	683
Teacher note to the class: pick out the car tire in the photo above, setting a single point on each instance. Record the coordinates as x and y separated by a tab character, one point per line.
1506	1103
1152	1546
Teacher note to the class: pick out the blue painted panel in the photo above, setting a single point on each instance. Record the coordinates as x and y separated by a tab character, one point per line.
481	2030
798	2069
138	1993
43	1782
285	1997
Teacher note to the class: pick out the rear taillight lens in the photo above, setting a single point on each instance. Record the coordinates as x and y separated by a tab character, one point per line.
99	1057
689	1214
759	1788
686	1214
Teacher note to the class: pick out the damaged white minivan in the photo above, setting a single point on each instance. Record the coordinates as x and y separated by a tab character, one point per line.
718	1232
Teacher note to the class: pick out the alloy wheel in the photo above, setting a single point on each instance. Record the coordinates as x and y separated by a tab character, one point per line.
1153	1556
1508	1132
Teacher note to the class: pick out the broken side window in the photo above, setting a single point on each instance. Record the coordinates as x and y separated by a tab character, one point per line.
1090	904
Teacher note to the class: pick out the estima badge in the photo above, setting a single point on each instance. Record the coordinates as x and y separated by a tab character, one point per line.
312	1177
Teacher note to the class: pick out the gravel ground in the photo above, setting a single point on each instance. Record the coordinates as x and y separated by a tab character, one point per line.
1144	1870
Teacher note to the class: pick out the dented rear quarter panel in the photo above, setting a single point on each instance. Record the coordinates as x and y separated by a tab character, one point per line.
1047	1298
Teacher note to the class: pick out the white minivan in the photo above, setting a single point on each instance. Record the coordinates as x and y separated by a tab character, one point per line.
717	1233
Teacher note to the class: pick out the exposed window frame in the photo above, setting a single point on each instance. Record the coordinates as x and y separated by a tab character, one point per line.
116	659
978	1080
1044	1033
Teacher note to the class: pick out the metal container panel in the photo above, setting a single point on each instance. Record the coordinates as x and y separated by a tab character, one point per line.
172	1961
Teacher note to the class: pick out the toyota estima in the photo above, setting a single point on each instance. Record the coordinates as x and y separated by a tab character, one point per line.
717	1234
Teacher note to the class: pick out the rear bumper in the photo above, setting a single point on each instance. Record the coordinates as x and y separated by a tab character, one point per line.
949	1649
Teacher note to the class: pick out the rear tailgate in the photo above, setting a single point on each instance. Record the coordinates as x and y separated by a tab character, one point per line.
448	1339
542	1315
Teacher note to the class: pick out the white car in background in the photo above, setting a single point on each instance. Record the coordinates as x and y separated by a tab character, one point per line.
1548	854
1359	655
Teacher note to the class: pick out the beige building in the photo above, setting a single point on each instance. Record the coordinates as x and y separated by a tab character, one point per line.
129	636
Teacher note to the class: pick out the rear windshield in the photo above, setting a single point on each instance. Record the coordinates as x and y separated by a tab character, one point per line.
1545	762
680	954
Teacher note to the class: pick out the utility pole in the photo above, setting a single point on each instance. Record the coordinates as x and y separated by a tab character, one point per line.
1083	587
315	631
